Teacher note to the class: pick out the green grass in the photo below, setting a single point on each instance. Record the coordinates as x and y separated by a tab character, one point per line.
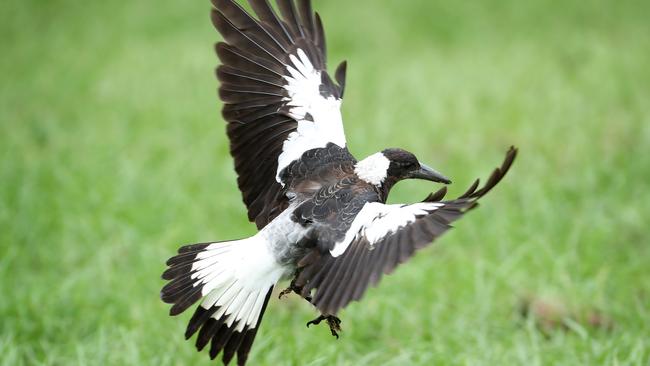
113	154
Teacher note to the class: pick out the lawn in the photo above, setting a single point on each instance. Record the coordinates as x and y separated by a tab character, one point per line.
113	154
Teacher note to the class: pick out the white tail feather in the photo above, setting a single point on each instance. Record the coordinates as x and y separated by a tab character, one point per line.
236	276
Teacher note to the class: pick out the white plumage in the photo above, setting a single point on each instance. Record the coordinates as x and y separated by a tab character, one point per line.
373	169
236	276
305	99
376	220
323	223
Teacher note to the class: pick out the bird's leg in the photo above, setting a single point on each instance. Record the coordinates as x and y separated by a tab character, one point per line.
292	288
333	322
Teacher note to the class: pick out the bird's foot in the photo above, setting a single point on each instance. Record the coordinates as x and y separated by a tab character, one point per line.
292	288
285	292
333	322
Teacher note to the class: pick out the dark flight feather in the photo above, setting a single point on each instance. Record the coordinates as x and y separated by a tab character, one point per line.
254	57
333	282
262	63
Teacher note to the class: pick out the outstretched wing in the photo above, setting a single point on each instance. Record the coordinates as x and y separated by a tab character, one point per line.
279	101
381	237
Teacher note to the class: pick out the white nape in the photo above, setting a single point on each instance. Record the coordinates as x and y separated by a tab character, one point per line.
303	87
373	169
376	220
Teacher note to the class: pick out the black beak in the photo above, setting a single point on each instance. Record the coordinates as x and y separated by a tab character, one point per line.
429	174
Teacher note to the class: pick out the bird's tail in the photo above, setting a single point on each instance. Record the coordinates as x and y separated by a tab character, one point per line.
234	279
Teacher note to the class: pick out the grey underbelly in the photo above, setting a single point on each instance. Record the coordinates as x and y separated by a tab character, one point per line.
285	238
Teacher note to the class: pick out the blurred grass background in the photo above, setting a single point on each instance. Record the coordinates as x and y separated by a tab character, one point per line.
113	153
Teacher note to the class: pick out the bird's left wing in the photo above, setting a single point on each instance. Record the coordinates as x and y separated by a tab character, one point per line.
278	98
381	237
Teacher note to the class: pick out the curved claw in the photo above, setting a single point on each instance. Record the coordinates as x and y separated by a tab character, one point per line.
333	322
315	321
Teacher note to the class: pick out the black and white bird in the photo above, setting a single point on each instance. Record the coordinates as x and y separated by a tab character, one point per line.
322	215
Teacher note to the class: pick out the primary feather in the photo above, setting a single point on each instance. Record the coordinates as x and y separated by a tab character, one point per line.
322	215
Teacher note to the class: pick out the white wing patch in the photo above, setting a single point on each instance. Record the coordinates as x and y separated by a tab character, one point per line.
306	100
376	220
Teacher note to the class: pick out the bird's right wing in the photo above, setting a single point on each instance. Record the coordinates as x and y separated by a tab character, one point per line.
381	237
278	98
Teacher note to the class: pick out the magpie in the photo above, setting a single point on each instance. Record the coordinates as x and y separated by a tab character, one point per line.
322	215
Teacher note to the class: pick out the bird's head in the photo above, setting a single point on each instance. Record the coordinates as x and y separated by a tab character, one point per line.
385	168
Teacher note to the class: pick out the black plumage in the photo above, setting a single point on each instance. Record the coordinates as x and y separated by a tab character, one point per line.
322	214
328	280
254	63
